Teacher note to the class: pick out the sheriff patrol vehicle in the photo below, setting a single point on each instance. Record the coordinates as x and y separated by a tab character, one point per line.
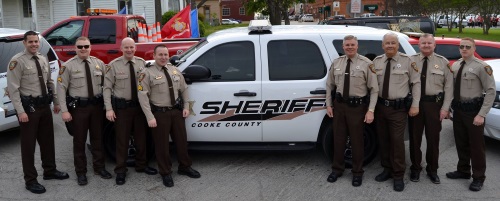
263	87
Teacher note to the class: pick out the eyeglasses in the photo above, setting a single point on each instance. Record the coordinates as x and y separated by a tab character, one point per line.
88	46
465	46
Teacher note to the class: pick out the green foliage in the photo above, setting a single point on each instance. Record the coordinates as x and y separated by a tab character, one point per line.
202	28
475	33
167	16
201	17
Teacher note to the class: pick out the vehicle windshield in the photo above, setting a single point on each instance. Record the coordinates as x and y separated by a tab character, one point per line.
192	50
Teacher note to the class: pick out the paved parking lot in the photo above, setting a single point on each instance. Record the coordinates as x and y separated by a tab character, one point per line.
243	176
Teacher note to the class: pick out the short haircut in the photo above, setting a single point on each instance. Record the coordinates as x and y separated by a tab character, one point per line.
389	34
427	35
82	38
159	46
29	33
471	40
349	37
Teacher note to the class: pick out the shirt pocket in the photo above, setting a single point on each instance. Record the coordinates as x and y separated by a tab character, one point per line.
358	78
78	80
159	85
398	76
469	78
338	75
438	77
121	81
98	78
30	76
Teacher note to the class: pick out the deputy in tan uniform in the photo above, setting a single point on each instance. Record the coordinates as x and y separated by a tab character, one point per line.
160	87
473	78
355	81
122	107
30	89
436	89
396	72
79	91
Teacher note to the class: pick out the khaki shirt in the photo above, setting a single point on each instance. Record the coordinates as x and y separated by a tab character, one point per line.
477	78
117	79
403	73
362	79
153	88
22	78
439	77
73	80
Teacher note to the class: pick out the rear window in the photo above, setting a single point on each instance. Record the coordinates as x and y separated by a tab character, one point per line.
10	48
367	48
488	52
102	31
450	52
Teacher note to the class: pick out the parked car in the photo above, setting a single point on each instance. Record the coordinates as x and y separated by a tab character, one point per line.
228	21
239	21
492	126
307	18
368	15
404	24
448	47
11	43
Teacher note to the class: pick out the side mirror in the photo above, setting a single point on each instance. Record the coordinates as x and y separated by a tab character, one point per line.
174	60
196	72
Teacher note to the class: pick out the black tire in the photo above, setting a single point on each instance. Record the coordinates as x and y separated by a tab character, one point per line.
370	144
110	144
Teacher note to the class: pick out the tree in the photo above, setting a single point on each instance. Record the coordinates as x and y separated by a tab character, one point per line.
486	8
276	9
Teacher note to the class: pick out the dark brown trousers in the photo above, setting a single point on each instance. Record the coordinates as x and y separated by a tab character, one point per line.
470	145
348	121
130	120
170	123
391	124
88	119
39	128
428	119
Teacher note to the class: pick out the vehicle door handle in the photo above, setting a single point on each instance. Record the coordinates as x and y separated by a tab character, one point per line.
318	91
245	93
71	52
112	51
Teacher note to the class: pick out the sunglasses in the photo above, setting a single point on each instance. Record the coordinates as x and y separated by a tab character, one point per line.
88	46
465	46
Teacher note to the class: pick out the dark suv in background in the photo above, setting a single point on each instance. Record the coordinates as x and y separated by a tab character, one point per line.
398	23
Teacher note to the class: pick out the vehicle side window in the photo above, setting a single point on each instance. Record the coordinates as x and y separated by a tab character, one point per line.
450	52
367	48
102	31
295	60
132	29
45	50
416	47
488	52
233	61
8	49
66	34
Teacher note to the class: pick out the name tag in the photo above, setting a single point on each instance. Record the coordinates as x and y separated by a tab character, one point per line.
97	73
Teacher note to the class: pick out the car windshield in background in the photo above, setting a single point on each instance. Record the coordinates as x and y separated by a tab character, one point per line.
10	48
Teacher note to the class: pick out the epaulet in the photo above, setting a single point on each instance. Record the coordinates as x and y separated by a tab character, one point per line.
403	54
92	57
69	60
440	56
114	60
364	58
379	57
416	55
139	58
480	61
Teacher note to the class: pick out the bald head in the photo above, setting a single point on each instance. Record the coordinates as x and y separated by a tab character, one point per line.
128	48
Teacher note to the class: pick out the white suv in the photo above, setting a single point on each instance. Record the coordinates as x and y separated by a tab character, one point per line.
266	89
11	43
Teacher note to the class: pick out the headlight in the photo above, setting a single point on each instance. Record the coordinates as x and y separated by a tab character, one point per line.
496	102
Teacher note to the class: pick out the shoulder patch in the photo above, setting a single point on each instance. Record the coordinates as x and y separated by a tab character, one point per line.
372	68
414	66
12	65
61	70
488	70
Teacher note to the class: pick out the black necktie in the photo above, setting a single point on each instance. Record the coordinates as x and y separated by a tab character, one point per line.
347	79
40	76
170	86
387	76
90	88
133	84
458	81
423	77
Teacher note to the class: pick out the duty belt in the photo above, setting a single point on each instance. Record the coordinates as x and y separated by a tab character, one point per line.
435	98
352	101
396	103
155	108
74	102
121	103
472	105
30	103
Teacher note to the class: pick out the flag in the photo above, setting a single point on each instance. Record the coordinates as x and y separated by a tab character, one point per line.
123	10
195	31
178	26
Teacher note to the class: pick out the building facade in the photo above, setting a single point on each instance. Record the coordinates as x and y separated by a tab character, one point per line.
235	9
322	9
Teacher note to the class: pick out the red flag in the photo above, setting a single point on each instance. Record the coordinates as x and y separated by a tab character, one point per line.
179	26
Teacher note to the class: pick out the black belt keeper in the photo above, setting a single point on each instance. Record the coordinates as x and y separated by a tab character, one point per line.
435	98
352	101
396	103
472	105
121	103
155	108
74	102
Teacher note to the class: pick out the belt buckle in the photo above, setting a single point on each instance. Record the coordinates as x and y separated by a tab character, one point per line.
386	103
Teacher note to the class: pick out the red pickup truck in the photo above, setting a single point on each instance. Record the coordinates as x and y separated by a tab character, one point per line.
106	33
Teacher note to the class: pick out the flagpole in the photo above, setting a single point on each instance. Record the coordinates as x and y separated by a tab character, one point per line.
126	7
